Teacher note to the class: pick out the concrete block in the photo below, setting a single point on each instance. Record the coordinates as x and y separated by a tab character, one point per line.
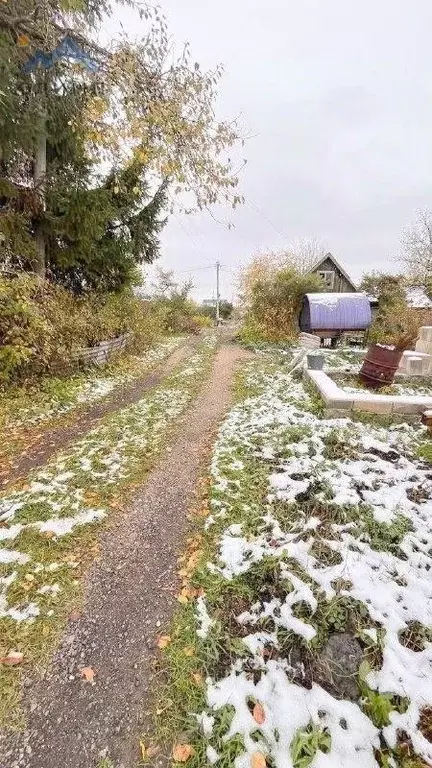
373	405
328	388
425	333
417	365
415	404
405	408
335	413
340	403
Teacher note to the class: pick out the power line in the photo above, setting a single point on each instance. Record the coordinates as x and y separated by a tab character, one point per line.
269	221
193	269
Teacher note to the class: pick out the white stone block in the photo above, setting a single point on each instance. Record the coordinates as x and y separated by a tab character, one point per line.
373	403
417	365
425	333
413	404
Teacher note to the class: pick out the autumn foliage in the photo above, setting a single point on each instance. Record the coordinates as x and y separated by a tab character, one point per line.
127	132
396	322
272	293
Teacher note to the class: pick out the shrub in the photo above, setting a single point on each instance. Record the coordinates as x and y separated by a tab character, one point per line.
398	324
274	304
25	333
395	322
225	310
41	324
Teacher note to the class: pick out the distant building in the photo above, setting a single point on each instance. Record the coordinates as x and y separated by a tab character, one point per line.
337	280
333	274
337	312
417	298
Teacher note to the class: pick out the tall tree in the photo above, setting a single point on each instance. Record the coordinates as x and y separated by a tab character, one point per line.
417	251
93	141
300	256
388	289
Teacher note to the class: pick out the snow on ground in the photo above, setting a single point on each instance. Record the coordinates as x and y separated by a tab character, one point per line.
343	358
74	489
93	388
407	387
348	515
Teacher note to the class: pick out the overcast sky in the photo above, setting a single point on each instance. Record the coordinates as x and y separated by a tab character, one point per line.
337	96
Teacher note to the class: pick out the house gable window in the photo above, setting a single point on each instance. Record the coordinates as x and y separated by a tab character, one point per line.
329	278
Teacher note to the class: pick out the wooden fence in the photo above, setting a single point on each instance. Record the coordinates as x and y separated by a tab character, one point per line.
100	353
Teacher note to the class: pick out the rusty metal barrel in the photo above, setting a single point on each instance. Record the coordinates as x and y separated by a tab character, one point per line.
380	365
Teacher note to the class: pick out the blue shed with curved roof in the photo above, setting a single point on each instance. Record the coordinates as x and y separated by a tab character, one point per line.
330	314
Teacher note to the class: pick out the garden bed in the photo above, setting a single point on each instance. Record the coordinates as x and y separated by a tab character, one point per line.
338	402
403	385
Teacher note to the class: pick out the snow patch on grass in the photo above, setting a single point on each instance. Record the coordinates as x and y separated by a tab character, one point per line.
289	708
85	390
345	519
75	489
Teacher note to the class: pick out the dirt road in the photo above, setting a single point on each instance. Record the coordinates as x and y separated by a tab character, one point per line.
60	437
130	592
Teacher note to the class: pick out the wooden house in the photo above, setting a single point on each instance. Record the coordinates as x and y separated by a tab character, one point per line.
332	315
333	275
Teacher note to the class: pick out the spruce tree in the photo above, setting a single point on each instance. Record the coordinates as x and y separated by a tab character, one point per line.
93	144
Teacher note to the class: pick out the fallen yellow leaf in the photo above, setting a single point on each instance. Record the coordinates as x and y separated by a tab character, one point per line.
182	599
167	704
88	674
148	752
163	641
198	679
188	651
13	658
258	713
258	760
23	40
182	752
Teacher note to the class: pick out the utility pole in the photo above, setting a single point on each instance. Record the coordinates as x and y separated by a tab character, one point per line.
217	293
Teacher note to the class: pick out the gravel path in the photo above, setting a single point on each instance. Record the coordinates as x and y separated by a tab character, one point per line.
130	592
60	437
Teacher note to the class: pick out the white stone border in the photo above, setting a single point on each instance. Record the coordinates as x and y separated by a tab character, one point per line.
336	399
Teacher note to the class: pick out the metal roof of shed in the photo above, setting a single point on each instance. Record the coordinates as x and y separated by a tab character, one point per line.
339	311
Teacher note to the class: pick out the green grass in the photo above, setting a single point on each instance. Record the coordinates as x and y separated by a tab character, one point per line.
317	405
306	743
424	451
28	410
263	580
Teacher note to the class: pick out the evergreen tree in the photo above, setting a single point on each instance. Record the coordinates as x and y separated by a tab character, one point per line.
91	143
